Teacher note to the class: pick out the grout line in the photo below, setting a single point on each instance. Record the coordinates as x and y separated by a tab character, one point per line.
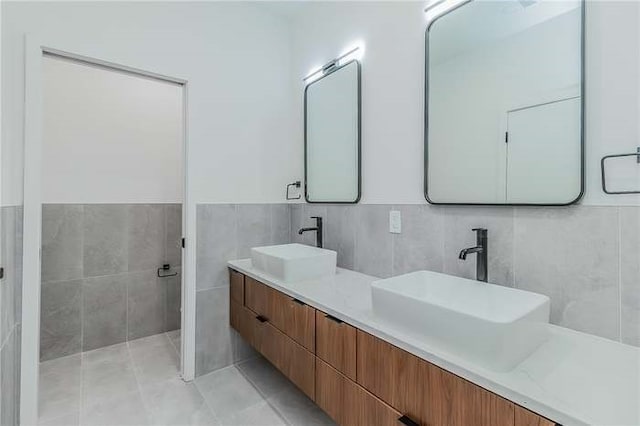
265	397
618	212
82	242
126	308
82	284
81	402
166	333
206	403
138	385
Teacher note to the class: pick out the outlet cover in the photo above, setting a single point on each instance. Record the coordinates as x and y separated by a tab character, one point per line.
395	222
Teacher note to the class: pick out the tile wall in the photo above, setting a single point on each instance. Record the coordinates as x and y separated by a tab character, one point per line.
10	313
99	283
586	258
225	232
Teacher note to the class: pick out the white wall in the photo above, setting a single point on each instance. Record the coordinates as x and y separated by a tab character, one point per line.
393	85
235	57
110	136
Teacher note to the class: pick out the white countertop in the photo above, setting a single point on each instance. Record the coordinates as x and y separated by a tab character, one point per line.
573	379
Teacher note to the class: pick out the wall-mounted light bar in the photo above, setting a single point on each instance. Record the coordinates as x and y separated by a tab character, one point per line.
353	53
440	7
433	5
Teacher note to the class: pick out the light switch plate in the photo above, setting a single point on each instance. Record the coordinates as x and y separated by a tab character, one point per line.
395	222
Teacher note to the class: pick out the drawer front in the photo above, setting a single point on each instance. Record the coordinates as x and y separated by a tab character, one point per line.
293	360
236	284
336	344
292	317
524	417
393	375
476	405
349	404
245	323
424	392
256	296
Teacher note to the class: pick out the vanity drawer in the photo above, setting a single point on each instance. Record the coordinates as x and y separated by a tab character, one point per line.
424	392
245	323
292	317
349	404
391	374
236	286
336	344
293	360
524	417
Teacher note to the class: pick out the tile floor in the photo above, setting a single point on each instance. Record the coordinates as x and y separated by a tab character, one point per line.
137	383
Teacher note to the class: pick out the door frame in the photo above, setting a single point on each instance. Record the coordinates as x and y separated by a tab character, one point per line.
35	49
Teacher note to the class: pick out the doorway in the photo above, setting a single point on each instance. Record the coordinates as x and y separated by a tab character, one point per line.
111	232
110	197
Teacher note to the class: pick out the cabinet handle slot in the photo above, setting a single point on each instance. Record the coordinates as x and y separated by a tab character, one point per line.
334	319
299	302
405	420
262	318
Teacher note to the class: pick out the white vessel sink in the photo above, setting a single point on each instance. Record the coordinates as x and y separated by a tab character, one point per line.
494	326
294	262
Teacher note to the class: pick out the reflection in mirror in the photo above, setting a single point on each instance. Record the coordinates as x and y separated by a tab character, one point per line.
505	103
332	136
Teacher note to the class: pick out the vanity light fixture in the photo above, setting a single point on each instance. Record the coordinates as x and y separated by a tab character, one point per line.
440	7
315	74
355	53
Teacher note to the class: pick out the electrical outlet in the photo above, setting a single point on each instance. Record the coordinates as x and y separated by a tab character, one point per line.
395	222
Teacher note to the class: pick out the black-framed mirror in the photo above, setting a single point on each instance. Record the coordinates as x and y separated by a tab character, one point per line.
332	135
504	103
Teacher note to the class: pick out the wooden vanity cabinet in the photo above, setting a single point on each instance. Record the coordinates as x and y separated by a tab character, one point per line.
291	316
524	417
424	392
292	359
236	286
244	321
356	378
336	344
349	404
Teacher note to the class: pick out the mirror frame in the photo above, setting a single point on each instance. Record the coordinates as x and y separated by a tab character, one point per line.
582	118
326	73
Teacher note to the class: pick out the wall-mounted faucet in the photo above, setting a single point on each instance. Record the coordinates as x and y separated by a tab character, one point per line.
317	229
481	250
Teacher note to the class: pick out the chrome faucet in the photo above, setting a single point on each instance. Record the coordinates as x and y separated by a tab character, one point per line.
317	229
481	250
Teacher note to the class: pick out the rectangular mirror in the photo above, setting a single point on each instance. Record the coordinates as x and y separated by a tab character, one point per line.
332	136
504	103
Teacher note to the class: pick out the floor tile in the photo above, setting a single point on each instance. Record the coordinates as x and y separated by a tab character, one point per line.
298	410
68	420
154	359
264	376
122	410
227	392
176	340
106	373
107	355
138	383
175	402
261	414
59	388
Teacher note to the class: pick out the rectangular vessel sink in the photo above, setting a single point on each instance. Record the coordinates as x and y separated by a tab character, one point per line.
491	325
294	262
